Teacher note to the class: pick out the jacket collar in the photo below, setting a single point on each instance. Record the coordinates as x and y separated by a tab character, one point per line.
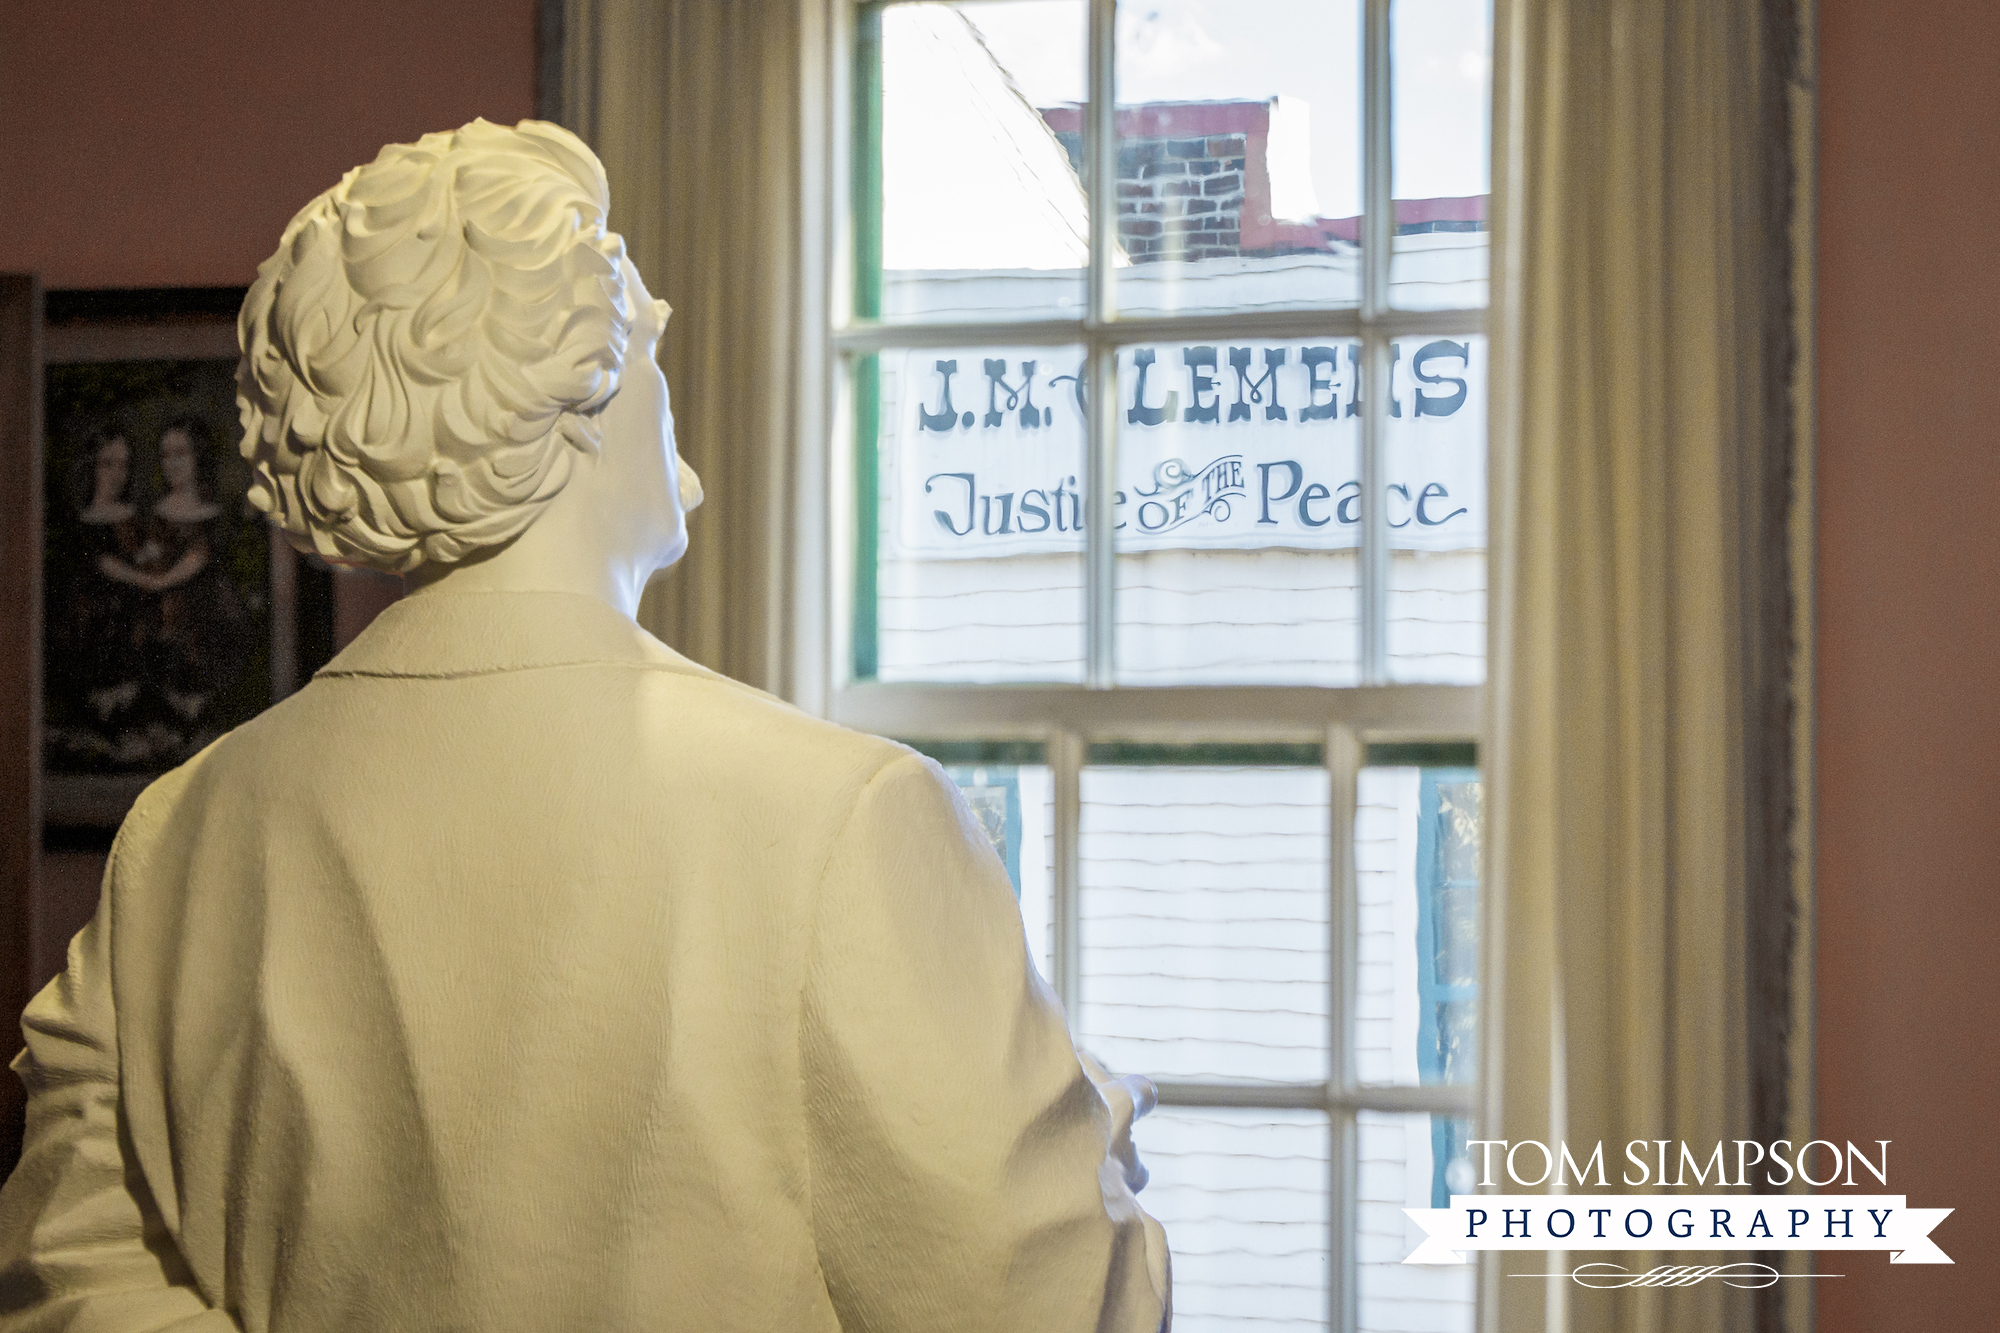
437	634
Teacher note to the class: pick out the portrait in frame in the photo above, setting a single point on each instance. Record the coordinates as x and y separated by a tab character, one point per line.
171	610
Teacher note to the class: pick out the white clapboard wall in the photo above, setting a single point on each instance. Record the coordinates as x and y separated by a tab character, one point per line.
1244	617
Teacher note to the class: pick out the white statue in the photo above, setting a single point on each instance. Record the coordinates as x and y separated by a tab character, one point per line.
519	973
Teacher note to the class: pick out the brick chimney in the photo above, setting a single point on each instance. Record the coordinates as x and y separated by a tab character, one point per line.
1194	182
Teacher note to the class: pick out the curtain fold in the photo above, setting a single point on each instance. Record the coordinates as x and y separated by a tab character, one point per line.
1638	756
694	108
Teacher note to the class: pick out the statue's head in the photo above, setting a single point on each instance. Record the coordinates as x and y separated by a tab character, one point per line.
428	355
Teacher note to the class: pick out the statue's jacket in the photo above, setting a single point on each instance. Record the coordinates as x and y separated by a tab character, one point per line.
519	974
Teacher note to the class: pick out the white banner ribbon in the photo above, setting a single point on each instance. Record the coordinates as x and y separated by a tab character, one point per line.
1678	1222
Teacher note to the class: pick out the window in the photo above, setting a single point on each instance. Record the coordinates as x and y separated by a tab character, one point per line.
1162	525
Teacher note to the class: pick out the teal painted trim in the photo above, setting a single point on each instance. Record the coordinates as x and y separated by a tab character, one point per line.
1448	1134
950	753
1012	856
866	187
1133	754
1423	754
867	515
866	196
1431	992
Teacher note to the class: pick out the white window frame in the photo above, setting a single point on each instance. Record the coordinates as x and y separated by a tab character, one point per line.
1067	718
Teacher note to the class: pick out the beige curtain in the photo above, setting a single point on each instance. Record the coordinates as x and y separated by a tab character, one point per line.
1639	752
695	109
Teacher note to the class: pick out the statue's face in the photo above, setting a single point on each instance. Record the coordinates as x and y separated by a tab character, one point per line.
654	489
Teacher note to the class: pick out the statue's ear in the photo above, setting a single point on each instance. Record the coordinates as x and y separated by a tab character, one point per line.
690	487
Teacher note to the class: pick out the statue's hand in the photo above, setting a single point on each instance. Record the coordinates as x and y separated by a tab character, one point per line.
1129	1098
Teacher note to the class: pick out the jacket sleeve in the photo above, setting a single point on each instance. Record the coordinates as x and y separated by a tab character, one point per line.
965	1168
83	1248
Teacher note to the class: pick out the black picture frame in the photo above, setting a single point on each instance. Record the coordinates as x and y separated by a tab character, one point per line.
20	664
171	611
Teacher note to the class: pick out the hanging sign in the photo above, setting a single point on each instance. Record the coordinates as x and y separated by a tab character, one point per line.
1219	447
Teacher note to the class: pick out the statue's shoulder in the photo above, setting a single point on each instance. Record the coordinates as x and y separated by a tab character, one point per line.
757	717
739	719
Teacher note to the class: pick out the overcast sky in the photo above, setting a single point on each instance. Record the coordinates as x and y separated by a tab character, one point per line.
1203	50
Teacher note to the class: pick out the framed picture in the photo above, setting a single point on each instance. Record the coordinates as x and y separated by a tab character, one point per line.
171	610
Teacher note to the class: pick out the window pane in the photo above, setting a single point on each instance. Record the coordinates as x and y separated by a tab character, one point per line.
1238	515
1205	920
1243	1198
970	565
1239	154
967	202
1434	456
1442	90
1416	854
1408	1161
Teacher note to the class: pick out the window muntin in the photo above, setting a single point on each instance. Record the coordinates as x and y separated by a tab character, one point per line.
1131	658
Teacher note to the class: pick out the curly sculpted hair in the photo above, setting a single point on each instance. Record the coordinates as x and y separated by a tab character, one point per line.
426	354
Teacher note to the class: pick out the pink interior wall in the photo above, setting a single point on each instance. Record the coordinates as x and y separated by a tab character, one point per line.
1909	635
157	143
164	143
